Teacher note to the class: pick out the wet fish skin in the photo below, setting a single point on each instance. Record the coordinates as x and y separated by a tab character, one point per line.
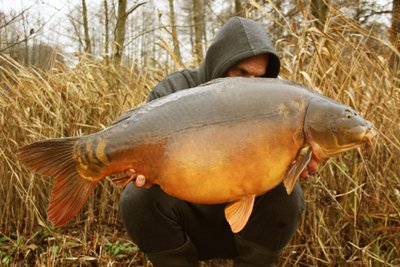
226	141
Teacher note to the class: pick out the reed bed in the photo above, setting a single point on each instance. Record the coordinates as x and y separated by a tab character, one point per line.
353	203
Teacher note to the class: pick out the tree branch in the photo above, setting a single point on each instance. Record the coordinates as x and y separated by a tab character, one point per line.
14	18
134	8
31	33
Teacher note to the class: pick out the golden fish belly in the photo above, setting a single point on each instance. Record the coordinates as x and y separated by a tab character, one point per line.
224	162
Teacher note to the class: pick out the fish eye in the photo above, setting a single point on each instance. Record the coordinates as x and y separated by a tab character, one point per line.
347	114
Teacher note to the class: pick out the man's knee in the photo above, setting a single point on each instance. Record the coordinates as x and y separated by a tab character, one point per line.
275	218
136	204
150	218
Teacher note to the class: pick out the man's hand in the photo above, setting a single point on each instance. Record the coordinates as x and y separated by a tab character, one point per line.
130	175
138	180
311	168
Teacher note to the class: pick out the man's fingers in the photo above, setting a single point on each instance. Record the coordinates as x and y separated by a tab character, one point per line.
130	172
140	181
304	173
312	166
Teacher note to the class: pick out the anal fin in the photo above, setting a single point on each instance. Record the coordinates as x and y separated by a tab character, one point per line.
238	213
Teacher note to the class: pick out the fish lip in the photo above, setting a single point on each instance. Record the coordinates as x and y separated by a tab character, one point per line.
371	133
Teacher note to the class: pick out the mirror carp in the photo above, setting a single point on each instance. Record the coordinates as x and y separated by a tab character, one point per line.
226	141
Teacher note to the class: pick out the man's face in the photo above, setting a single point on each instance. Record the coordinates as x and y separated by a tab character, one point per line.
251	67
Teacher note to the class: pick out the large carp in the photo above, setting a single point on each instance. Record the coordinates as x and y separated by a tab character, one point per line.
223	142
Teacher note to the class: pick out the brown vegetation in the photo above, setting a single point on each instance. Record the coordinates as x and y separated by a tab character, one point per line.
353	213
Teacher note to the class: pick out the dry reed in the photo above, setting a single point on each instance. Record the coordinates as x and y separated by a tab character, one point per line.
353	214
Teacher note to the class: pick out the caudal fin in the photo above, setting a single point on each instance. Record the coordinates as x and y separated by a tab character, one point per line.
55	157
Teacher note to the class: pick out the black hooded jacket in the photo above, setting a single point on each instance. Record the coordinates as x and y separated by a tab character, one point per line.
238	39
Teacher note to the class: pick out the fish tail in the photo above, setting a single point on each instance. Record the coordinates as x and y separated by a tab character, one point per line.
56	157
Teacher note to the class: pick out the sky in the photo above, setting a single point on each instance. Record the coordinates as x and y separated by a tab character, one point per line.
56	9
55	14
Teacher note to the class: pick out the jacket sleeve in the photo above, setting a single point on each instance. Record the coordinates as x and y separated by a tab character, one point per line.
170	84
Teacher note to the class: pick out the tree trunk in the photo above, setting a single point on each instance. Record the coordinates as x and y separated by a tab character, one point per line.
88	45
395	35
320	11
120	32
239	11
106	23
26	60
177	51
198	30
120	29
204	19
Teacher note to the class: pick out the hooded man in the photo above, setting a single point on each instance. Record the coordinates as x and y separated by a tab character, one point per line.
173	232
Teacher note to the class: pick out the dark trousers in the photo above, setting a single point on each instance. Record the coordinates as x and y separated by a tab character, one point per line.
157	222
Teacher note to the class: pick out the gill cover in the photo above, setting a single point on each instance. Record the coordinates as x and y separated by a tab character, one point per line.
332	128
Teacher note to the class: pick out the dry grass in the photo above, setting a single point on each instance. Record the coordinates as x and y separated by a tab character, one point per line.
353	214
36	105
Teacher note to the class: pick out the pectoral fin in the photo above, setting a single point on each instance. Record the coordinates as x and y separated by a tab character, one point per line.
238	213
292	175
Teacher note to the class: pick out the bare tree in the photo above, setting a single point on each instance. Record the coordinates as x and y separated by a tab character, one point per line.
239	10
177	51
395	28
365	10
198	29
319	10
395	33
88	45
45	56
77	32
10	35
106	27
119	33
27	32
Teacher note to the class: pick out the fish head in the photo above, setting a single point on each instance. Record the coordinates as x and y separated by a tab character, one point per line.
332	128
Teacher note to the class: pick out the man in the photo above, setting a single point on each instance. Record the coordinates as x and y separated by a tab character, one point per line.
174	232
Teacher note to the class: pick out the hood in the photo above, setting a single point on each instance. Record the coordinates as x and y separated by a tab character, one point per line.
238	39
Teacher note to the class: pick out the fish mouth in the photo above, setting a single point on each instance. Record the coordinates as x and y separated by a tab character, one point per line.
371	133
365	134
